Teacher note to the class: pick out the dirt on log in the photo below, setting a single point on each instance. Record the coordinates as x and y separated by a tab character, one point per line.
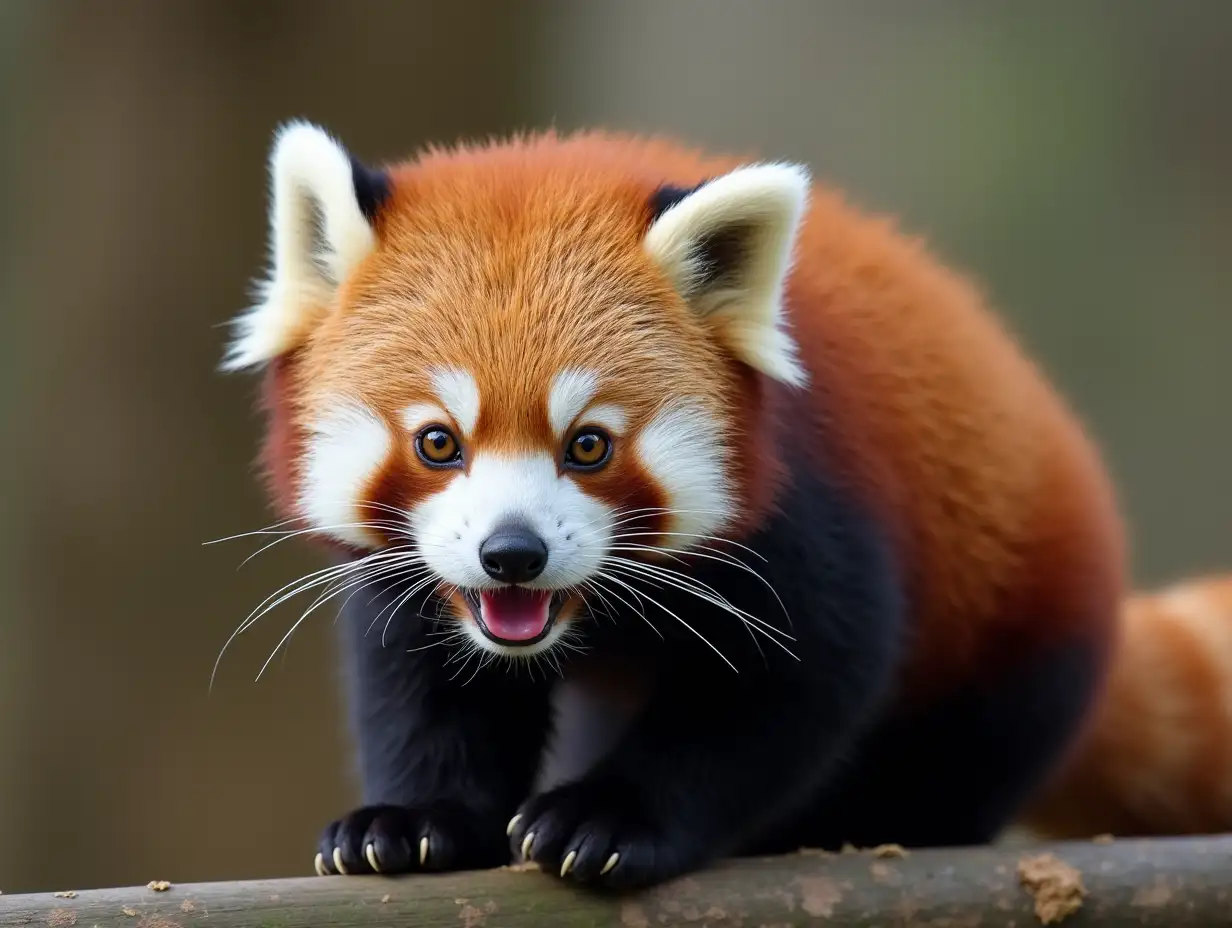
1171	882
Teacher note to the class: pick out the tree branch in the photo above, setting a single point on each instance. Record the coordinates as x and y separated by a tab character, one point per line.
1174	882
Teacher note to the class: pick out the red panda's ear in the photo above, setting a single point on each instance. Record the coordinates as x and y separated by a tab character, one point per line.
727	247
323	204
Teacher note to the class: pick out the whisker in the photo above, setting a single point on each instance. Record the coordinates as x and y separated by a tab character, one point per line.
702	554
624	517
320	601
419	585
587	586
751	623
408	557
304	583
702	591
483	662
300	585
454	636
370	579
316	578
705	552
655	602
715	538
287	535
633	606
267	530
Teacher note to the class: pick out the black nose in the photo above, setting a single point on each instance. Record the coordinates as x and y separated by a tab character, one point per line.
513	555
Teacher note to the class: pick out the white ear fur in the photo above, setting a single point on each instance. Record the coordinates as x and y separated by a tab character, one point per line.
312	180
760	208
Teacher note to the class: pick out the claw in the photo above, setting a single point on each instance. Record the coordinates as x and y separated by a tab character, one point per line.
611	862
370	853
423	850
568	864
319	865
338	861
526	843
513	823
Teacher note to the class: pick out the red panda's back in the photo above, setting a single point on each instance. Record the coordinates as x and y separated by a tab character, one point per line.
1001	506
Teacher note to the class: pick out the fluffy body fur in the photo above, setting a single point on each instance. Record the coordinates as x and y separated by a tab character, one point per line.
851	570
1156	758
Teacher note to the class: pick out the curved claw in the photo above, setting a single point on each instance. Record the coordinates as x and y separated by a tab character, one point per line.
611	862
370	853
338	865
318	864
423	850
513	823
526	843
567	865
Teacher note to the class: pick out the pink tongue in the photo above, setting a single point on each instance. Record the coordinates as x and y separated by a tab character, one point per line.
514	613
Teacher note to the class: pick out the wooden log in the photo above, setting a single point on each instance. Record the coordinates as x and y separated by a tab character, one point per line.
1167	882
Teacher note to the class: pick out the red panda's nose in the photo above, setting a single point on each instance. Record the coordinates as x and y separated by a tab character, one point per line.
513	554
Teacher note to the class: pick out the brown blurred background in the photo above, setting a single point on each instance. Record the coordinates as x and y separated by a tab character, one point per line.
1074	157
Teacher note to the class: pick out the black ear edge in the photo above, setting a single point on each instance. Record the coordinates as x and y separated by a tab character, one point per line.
372	188
667	196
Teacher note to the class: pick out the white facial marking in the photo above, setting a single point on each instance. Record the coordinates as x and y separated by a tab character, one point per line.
453	523
608	417
417	415
345	450
571	390
682	448
460	395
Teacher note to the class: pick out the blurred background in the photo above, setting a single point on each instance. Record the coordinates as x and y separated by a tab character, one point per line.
1073	157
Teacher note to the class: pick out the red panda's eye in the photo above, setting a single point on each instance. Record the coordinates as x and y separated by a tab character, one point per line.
438	447
588	450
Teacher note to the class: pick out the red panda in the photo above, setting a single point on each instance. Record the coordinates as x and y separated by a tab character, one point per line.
604	407
1156	756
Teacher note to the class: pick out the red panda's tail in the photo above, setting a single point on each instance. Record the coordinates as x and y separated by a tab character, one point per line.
1157	756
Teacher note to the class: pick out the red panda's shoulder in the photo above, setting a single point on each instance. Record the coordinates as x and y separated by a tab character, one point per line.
932	409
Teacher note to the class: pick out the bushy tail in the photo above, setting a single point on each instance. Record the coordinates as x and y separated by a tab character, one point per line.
1157	756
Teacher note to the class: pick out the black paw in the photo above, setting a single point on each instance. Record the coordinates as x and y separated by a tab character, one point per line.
602	834
398	839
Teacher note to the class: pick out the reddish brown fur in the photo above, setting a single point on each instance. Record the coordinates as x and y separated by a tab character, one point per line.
1157	757
997	495
281	449
920	401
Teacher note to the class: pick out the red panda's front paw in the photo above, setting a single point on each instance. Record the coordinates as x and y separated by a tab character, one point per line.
398	839
601	833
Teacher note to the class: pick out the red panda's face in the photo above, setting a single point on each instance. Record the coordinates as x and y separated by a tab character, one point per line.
512	379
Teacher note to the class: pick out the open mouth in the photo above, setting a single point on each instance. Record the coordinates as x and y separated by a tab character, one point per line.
515	615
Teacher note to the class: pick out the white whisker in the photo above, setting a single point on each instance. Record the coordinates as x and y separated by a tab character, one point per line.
671	576
597	581
655	602
705	593
705	552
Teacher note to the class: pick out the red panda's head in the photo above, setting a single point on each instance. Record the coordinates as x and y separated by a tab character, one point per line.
526	364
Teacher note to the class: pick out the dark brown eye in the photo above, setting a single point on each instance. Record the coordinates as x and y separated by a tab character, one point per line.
437	446
588	450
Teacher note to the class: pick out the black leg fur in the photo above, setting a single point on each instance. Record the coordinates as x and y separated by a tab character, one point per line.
445	754
719	754
956	774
